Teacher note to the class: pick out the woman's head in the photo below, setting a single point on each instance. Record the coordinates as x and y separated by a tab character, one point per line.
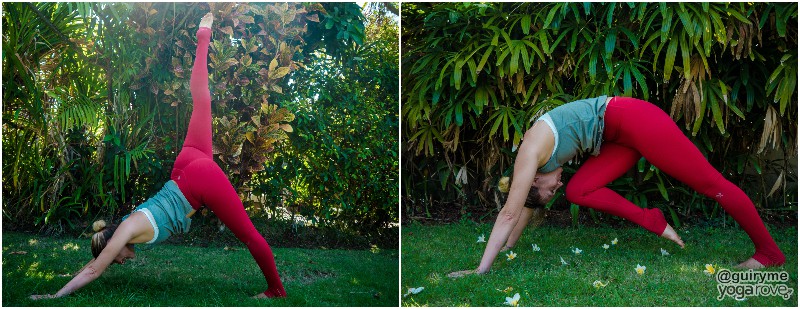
102	236
544	188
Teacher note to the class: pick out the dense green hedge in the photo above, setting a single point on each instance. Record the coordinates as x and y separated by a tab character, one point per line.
473	74
96	103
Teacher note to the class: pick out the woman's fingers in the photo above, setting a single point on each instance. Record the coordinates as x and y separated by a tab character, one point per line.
461	273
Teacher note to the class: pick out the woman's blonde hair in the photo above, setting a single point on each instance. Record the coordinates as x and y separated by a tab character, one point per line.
103	233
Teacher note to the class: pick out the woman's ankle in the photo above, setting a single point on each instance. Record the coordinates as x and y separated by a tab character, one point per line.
770	258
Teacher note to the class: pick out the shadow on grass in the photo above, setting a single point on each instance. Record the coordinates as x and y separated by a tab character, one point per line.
173	275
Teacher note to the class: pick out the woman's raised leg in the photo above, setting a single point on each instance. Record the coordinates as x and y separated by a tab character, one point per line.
199	133
197	144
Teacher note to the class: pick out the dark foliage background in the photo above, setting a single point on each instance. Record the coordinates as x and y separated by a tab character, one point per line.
473	75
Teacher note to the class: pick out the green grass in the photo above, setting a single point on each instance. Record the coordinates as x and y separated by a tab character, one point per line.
431	252
172	275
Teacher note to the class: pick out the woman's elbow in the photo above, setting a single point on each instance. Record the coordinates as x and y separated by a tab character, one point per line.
507	216
90	273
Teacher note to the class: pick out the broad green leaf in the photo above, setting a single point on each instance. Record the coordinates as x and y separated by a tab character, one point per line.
611	43
715	111
525	23
687	63
484	58
669	61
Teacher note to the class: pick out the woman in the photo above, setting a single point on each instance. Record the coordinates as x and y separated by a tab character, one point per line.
616	131
196	181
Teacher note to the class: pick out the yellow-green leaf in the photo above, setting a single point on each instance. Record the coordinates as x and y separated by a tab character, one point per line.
273	64
280	72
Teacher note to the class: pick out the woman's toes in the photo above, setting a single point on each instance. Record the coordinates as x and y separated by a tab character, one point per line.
750	264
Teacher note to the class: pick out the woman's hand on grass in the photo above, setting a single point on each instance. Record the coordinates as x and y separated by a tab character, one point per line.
45	296
462	273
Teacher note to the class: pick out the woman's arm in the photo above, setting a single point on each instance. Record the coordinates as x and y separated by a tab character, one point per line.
533	153
524	219
96	267
84	267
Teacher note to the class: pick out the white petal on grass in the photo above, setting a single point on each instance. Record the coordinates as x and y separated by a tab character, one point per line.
577	251
536	247
414	291
640	269
664	252
599	284
710	270
482	238
512	301
562	261
511	255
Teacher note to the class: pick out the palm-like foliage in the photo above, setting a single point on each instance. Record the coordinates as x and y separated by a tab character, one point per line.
96	97
476	73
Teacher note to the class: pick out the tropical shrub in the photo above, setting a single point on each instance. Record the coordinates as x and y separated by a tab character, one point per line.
96	98
474	74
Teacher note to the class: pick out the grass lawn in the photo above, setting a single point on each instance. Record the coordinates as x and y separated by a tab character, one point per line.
172	275
431	252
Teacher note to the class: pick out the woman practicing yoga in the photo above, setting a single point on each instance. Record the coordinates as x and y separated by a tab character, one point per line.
196	181
617	132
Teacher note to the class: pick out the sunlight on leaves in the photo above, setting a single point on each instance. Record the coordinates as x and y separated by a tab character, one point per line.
70	246
34	272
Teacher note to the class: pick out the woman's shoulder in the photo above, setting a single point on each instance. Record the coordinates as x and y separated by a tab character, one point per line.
135	225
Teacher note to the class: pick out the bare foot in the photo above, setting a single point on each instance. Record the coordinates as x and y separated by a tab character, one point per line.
750	264
260	295
461	273
669	233
505	248
206	22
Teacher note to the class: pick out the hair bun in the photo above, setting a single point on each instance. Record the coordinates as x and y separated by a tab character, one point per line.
503	184
99	225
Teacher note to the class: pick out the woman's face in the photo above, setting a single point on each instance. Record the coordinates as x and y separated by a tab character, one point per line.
548	183
126	253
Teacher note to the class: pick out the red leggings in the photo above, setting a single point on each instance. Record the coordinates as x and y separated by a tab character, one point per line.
636	128
201	180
